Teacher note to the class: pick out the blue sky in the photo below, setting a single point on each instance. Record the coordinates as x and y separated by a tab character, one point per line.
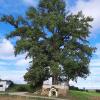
14	68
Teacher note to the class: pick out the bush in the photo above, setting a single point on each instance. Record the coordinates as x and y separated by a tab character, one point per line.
21	88
77	89
18	88
73	88
98	91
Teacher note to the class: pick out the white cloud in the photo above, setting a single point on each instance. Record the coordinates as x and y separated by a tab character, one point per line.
6	48
12	67
23	62
87	84
15	76
89	8
7	51
93	80
96	60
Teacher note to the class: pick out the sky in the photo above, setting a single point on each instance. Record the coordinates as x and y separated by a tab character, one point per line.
13	68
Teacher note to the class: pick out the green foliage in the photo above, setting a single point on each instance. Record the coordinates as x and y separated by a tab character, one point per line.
18	88
73	88
22	88
55	40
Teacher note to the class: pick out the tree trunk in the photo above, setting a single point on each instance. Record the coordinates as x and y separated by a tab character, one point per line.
55	80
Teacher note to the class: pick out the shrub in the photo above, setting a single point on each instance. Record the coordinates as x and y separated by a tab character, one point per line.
18	88
73	88
98	91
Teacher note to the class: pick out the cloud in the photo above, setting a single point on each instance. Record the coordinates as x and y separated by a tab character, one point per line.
96	60
6	48
11	66
93	80
15	76
23	62
7	51
89	8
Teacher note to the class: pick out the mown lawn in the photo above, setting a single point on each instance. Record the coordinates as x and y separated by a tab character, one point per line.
80	95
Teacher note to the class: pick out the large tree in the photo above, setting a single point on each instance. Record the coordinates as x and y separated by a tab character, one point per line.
55	40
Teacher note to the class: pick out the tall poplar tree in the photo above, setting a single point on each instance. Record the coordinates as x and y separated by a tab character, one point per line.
55	40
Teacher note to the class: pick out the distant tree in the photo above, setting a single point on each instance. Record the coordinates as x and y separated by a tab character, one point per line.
55	40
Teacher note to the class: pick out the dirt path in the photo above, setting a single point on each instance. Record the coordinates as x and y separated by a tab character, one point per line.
26	95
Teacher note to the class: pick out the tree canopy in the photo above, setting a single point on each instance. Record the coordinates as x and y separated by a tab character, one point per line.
55	40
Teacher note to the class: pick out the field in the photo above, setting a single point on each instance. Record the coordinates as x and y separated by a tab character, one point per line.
73	95
79	95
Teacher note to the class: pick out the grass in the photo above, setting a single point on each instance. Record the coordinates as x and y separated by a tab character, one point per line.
8	97
80	95
19	98
72	95
15	97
